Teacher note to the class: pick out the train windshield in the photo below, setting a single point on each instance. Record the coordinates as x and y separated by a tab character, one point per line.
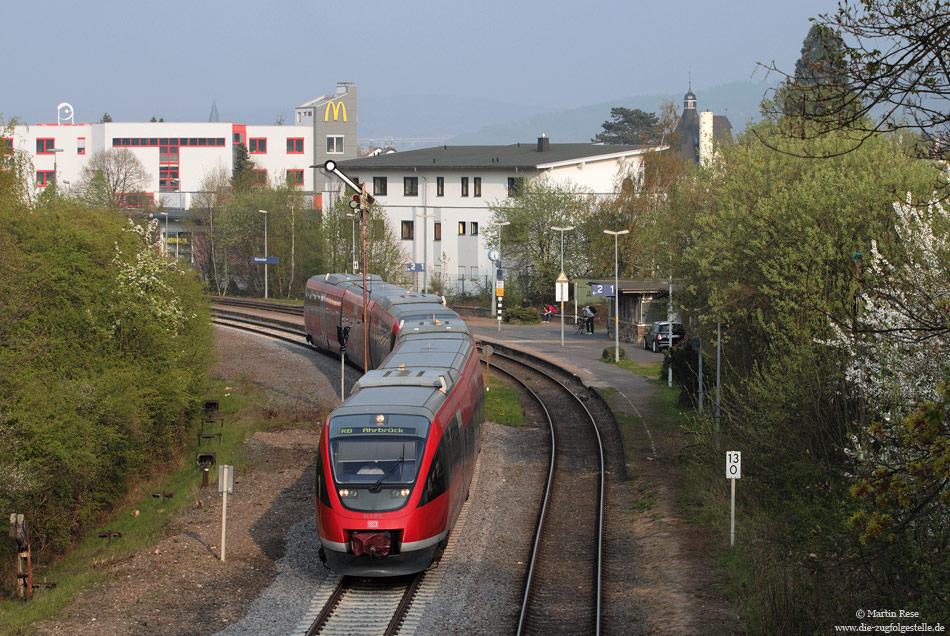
376	451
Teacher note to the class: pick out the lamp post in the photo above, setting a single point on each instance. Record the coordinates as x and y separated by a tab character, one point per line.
500	225
616	295
165	241
562	230
264	212
425	248
55	152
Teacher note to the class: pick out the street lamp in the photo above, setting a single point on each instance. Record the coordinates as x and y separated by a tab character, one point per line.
500	225
425	248
264	212
562	230
165	241
616	295
55	152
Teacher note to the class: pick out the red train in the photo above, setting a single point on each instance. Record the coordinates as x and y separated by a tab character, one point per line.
396	458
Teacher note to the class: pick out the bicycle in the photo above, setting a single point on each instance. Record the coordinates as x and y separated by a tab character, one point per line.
581	326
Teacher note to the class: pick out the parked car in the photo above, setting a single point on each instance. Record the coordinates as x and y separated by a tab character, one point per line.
658	335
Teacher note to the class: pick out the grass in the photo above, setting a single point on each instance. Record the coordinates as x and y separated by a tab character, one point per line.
649	370
143	519
502	404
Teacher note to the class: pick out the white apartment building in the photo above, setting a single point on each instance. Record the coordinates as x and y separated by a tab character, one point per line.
438	199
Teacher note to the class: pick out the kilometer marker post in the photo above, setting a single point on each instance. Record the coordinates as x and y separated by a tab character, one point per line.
733	473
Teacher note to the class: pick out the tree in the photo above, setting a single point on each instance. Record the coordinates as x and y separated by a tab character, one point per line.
531	249
111	175
242	175
630	128
886	55
814	89
897	349
211	199
106	118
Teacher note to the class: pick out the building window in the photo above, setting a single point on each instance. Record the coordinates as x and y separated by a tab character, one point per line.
168	179
461	228
410	186
477	186
44	178
380	185
81	146
260	176
514	186
295	145
437	231
335	144
474	273
464	186
473	228
45	146
462	270
295	177
257	145
6	145
408	230
440	186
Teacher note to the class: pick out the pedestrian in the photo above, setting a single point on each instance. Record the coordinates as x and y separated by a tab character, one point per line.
589	318
549	310
524	302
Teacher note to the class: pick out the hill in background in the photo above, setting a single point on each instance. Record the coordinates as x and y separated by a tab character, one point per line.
418	121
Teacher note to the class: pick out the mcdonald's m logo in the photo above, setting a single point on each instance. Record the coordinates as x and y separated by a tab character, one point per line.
337	107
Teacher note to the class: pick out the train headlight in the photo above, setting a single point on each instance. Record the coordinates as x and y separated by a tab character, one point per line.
400	493
346	493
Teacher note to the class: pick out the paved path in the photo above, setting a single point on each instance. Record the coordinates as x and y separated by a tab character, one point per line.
581	354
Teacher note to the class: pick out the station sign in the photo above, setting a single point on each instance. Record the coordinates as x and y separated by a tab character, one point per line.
415	267
271	260
602	290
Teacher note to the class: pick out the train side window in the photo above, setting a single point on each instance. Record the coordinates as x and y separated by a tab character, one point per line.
436	479
322	492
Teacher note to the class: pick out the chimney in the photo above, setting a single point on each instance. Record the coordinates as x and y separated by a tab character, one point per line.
543	144
705	137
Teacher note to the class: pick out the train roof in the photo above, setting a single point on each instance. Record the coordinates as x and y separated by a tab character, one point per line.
419	391
417	376
387	295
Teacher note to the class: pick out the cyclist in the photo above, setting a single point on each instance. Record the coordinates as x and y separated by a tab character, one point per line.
589	319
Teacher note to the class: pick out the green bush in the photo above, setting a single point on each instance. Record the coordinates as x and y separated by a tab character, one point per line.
528	315
107	349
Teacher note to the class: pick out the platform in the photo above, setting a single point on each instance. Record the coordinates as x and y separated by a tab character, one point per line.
581	354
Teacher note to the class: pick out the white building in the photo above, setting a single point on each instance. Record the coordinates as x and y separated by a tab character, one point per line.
178	156
438	199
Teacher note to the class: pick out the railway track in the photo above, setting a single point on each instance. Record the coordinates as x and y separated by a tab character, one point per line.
562	588
562	592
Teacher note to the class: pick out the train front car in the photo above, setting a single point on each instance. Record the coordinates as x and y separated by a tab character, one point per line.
396	458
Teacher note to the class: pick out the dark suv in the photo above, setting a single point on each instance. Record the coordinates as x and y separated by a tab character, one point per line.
658	336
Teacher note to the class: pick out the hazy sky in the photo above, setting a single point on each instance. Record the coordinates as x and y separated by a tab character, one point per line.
171	58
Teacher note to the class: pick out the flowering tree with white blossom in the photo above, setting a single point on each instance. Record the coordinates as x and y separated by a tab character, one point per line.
899	345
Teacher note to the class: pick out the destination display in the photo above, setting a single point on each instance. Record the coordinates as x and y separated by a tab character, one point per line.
376	430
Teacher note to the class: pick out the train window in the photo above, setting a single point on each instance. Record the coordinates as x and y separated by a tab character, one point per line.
375	461
436	481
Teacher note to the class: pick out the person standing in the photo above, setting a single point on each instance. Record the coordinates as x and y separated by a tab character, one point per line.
589	318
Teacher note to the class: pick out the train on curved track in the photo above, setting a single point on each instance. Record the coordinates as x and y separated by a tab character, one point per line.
397	456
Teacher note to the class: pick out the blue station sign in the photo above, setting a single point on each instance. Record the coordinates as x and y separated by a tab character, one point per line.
270	260
602	290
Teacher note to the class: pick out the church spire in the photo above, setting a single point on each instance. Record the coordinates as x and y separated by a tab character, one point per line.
214	111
